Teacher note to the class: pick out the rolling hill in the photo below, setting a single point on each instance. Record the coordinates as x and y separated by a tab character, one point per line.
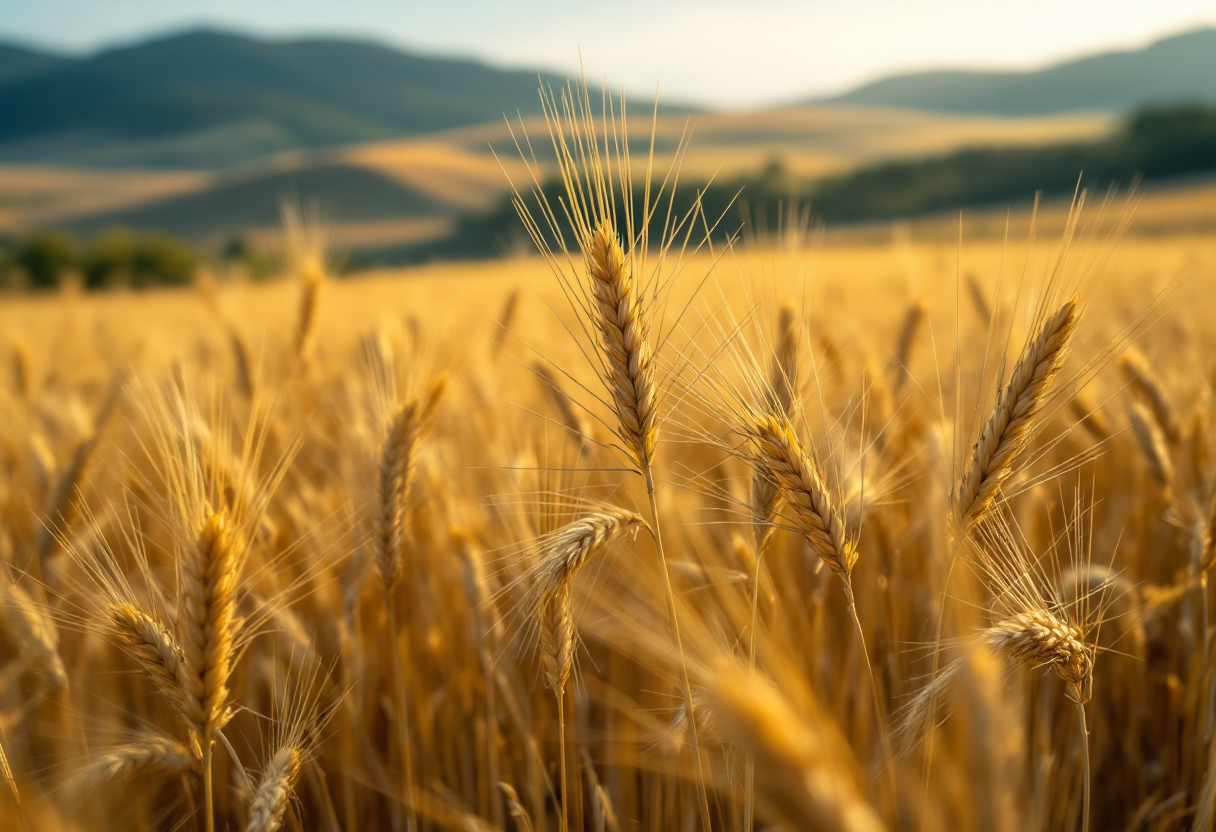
1174	70
211	99
394	192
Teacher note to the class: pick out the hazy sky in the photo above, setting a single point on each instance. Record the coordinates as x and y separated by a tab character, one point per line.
709	51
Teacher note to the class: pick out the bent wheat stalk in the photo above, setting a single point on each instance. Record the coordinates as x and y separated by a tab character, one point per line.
1003	441
559	557
821	523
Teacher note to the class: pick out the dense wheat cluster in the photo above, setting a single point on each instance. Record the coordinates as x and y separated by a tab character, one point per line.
649	533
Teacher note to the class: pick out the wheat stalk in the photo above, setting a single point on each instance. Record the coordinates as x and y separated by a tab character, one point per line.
60	509
395	477
820	523
35	635
904	344
523	821
390	538
801	778
559	557
979	299
1147	387
571	418
207	622
1090	416
1011	424
1152	442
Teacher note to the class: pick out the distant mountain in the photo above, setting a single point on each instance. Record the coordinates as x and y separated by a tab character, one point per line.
17	62
212	99
238	203
1175	70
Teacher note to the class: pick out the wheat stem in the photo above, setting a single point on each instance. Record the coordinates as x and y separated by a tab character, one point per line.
401	705
560	693
1085	773
694	742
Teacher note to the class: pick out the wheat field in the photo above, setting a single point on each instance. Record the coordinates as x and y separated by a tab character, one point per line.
642	533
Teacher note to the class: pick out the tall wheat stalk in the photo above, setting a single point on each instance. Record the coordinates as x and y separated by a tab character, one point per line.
1003	441
614	310
390	540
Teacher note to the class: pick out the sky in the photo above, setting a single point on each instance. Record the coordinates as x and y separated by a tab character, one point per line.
710	52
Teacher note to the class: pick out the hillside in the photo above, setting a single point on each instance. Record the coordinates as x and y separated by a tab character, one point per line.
1159	146
234	205
458	175
211	99
1173	70
18	62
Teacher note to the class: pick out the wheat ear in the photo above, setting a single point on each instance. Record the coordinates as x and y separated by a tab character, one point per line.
390	535
207	621
523	821
1146	386
1010	427
1038	638
242	362
395	478
150	645
783	373
623	339
801	486
572	420
310	302
1152	441
22	375
274	791
150	755
506	320
559	557
35	634
904	344
979	299
1090	416
821	524
61	508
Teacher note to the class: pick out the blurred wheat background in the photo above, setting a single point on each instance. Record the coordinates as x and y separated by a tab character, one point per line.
685	510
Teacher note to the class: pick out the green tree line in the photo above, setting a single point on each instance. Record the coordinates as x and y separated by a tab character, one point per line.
115	258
